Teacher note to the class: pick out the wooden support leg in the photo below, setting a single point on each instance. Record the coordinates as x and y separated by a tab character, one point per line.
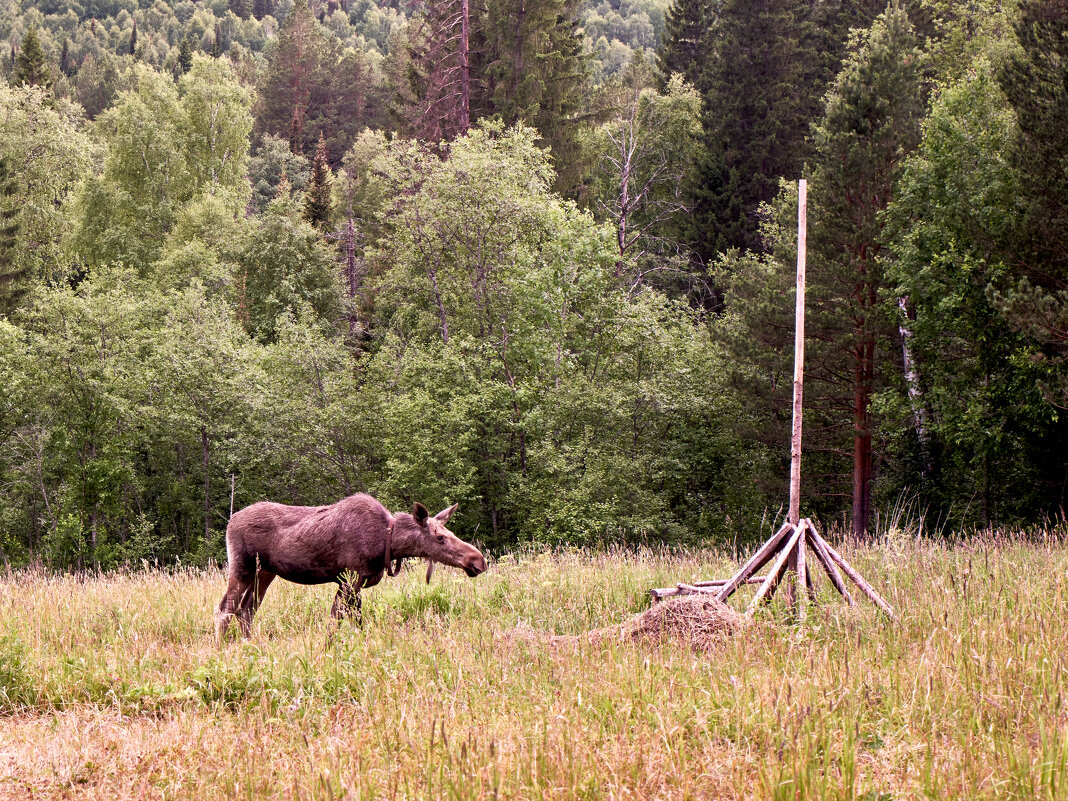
757	561
801	584
856	578
828	564
775	573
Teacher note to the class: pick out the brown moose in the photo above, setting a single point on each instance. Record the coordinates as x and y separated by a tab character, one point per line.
351	543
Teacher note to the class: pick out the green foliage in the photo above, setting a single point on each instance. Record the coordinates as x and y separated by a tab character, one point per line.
871	122
17	690
957	206
272	160
532	387
644	153
166	145
195	318
534	72
12	277
1035	81
315	84
47	144
762	70
282	266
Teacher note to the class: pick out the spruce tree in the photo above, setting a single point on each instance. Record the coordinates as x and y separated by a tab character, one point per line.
31	65
762	69
133	40
534	69
64	59
241	8
685	43
318	197
1035	81
763	90
216	43
12	276
185	55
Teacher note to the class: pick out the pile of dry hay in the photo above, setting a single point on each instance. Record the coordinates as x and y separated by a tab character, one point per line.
700	621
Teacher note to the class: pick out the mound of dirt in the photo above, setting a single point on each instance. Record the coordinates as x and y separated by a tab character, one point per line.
699	621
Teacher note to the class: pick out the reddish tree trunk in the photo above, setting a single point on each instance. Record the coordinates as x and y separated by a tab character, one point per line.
863	372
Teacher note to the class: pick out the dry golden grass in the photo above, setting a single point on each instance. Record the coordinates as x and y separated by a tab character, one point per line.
110	687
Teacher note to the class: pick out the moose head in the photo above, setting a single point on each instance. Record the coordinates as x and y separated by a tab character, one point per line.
428	537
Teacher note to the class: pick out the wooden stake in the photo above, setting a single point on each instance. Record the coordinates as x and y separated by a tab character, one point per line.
758	560
776	569
857	579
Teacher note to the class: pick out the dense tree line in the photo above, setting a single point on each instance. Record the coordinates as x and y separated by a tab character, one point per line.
458	253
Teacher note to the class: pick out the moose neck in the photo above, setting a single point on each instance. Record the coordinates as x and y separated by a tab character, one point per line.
407	541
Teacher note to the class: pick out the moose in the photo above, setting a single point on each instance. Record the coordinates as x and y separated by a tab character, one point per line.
351	543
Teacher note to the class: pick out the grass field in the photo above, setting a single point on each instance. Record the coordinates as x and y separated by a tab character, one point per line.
111	687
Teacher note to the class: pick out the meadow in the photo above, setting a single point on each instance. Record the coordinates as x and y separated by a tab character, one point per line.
111	686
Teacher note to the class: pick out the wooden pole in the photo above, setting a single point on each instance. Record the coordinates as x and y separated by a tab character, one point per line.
799	354
795	590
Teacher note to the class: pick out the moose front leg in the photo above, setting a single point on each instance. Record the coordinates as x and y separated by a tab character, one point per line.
348	600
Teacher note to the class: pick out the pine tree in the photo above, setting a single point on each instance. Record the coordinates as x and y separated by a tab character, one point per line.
439	73
12	277
872	120
315	84
31	65
318	198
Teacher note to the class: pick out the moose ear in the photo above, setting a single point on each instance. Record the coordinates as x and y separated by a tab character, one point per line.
444	515
420	513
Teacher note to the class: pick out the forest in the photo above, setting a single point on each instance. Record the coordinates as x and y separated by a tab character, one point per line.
534	257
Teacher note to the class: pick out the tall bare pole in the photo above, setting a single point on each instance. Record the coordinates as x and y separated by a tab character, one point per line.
799	354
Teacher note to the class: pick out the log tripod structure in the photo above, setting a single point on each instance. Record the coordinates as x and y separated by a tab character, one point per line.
788	549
